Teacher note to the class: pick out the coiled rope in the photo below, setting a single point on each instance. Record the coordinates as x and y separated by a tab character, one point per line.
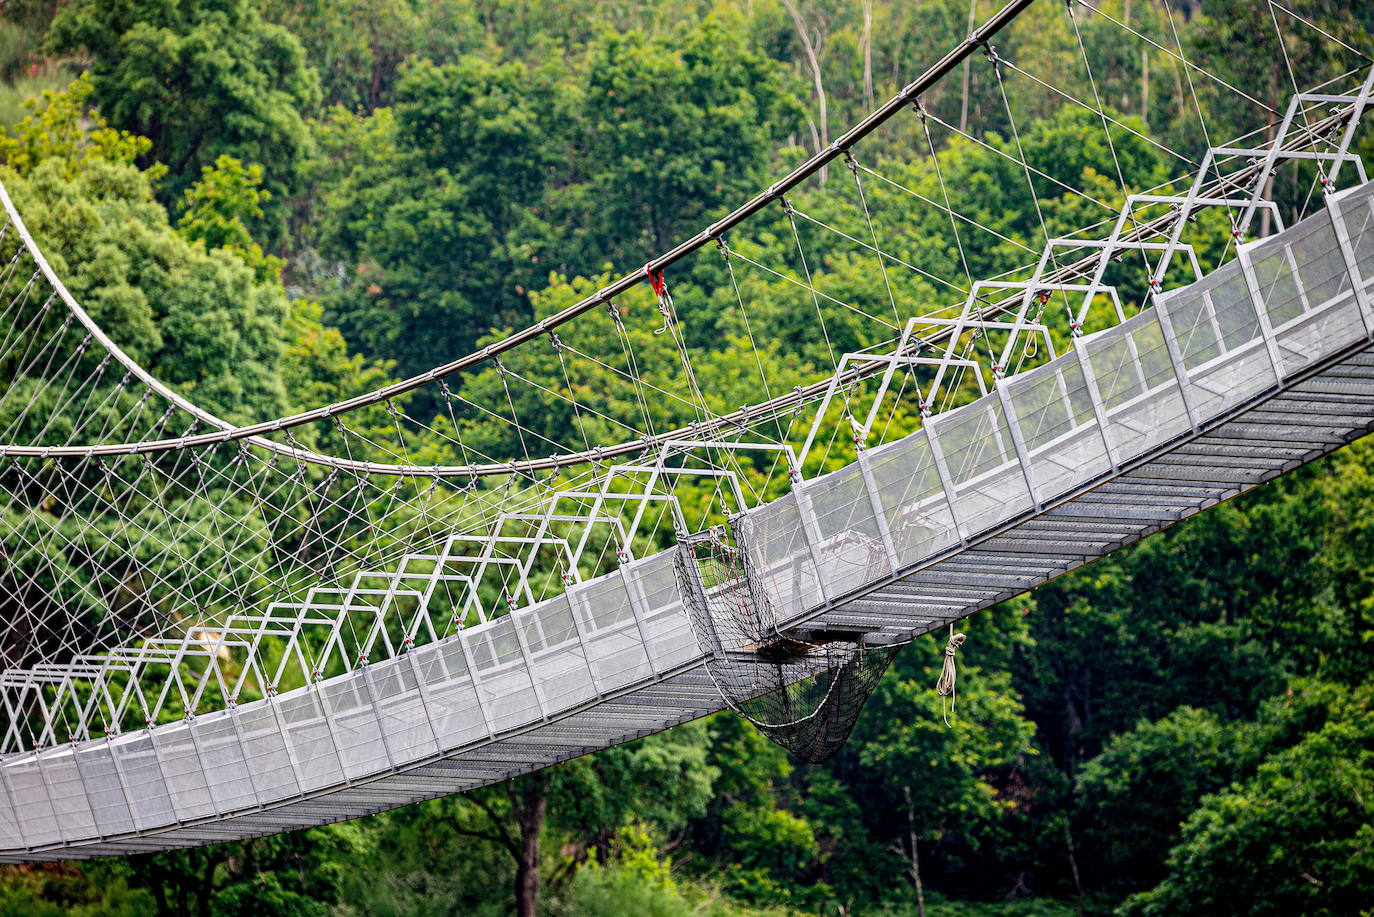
945	685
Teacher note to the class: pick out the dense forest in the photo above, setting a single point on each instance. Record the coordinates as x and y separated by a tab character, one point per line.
279	203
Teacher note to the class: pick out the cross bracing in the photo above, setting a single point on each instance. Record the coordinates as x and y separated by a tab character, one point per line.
357	632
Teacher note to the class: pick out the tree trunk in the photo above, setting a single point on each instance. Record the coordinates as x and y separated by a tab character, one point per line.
1073	862
529	799
915	860
812	48
963	106
866	41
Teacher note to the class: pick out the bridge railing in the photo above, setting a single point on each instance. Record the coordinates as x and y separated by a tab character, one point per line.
1202	350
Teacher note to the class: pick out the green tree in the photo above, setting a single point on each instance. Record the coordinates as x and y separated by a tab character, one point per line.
426	213
1135	794
218	209
1296	838
200	80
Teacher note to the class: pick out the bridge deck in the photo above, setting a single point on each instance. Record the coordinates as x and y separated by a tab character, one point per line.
1179	408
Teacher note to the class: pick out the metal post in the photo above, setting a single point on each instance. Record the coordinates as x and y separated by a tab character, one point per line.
1352	266
946	482
1247	269
1166	330
1095	396
1018	442
879	515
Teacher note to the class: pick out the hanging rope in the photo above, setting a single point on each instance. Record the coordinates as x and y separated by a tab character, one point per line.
945	685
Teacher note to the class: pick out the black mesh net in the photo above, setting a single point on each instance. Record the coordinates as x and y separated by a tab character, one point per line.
805	695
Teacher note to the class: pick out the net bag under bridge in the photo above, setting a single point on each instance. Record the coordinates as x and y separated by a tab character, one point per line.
803	694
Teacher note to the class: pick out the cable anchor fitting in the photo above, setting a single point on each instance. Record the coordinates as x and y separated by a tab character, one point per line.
665	301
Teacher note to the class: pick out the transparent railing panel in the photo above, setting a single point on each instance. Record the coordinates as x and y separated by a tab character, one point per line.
780	556
912	498
103	789
312	743
71	806
504	681
361	744
1355	210
37	820
653	580
850	545
265	753
1306	292
404	717
144	781
181	769
226	772
10	835
989	484
1140	392
560	666
1224	355
453	706
619	656
1054	413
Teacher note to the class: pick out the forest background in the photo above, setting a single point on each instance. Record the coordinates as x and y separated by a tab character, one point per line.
275	203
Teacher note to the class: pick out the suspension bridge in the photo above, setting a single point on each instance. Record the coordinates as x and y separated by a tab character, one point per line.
212	631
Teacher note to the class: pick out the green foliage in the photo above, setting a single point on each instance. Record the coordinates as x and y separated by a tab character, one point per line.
359	46
1296	838
200	81
1145	783
480	165
218	209
637	881
63	127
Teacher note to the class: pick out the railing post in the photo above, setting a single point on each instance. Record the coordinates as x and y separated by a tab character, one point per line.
573	604
1018	443
1352	267
637	609
462	637
810	531
946	481
1166	330
1247	269
879	515
1095	397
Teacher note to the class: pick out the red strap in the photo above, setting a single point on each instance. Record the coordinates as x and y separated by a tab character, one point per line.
657	282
